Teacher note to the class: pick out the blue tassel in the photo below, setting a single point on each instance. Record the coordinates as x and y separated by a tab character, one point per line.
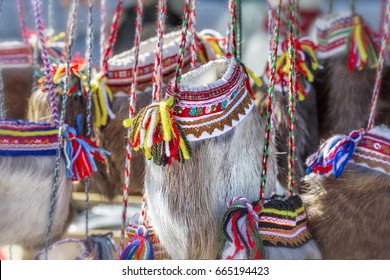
139	248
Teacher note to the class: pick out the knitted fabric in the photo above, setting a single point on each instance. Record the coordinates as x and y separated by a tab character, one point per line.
332	32
22	138
14	54
121	66
373	151
212	99
284	223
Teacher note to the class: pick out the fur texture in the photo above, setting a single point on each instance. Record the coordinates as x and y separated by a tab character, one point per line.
306	130
187	201
349	216
25	190
17	90
344	97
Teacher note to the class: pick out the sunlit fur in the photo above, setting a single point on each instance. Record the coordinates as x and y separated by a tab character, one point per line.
25	191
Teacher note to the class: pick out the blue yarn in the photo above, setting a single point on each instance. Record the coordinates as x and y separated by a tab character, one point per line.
347	150
130	253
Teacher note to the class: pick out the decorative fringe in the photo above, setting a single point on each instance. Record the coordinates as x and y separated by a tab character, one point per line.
76	79
239	236
334	154
140	247
102	101
362	51
103	246
155	131
79	154
306	63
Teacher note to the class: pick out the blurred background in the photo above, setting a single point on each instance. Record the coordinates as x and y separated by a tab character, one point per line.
210	14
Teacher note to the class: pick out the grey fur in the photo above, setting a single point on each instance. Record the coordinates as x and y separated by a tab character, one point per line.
187	201
25	184
308	251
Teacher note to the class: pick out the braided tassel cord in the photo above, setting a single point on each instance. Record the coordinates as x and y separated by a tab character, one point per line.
379	71
270	101
292	100
157	76
194	46
103	18
132	102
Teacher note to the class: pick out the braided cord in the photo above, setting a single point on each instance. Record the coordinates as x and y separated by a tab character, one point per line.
2	107
194	46
22	21
157	76
61	126
89	103
132	101
46	60
113	35
231	46
270	101
103	19
379	71
183	42
292	98
239	28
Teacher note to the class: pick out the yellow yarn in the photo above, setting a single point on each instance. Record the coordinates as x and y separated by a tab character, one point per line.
283	212
256	79
27	133
183	149
166	118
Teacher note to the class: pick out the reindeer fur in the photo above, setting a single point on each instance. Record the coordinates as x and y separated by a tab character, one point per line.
187	201
306	130
350	216
17	90
25	192
344	97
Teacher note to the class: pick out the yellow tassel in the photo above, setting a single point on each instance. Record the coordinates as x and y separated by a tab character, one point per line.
58	74
256	79
183	149
166	118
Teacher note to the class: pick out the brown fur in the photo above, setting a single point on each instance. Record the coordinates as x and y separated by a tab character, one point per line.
17	90
349	216
344	97
306	130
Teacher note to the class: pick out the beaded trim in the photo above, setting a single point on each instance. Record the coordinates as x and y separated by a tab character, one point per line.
22	138
373	151
332	32
213	108
284	223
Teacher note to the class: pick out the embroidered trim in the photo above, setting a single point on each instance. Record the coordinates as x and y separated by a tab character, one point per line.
22	138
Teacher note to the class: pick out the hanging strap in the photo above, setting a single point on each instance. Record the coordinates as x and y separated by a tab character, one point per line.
292	85
231	45
379	72
113	35
103	19
180	56
132	102
2	107
89	45
239	29
158	68
194	45
45	58
272	70
62	119
22	21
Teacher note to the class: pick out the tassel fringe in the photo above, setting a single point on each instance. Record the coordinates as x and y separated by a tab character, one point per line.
155	131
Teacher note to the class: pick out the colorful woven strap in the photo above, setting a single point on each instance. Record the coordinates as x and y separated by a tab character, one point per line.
194	40
179	66
103	18
158	67
113	35
379	72
45	58
292	98
132	102
271	90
